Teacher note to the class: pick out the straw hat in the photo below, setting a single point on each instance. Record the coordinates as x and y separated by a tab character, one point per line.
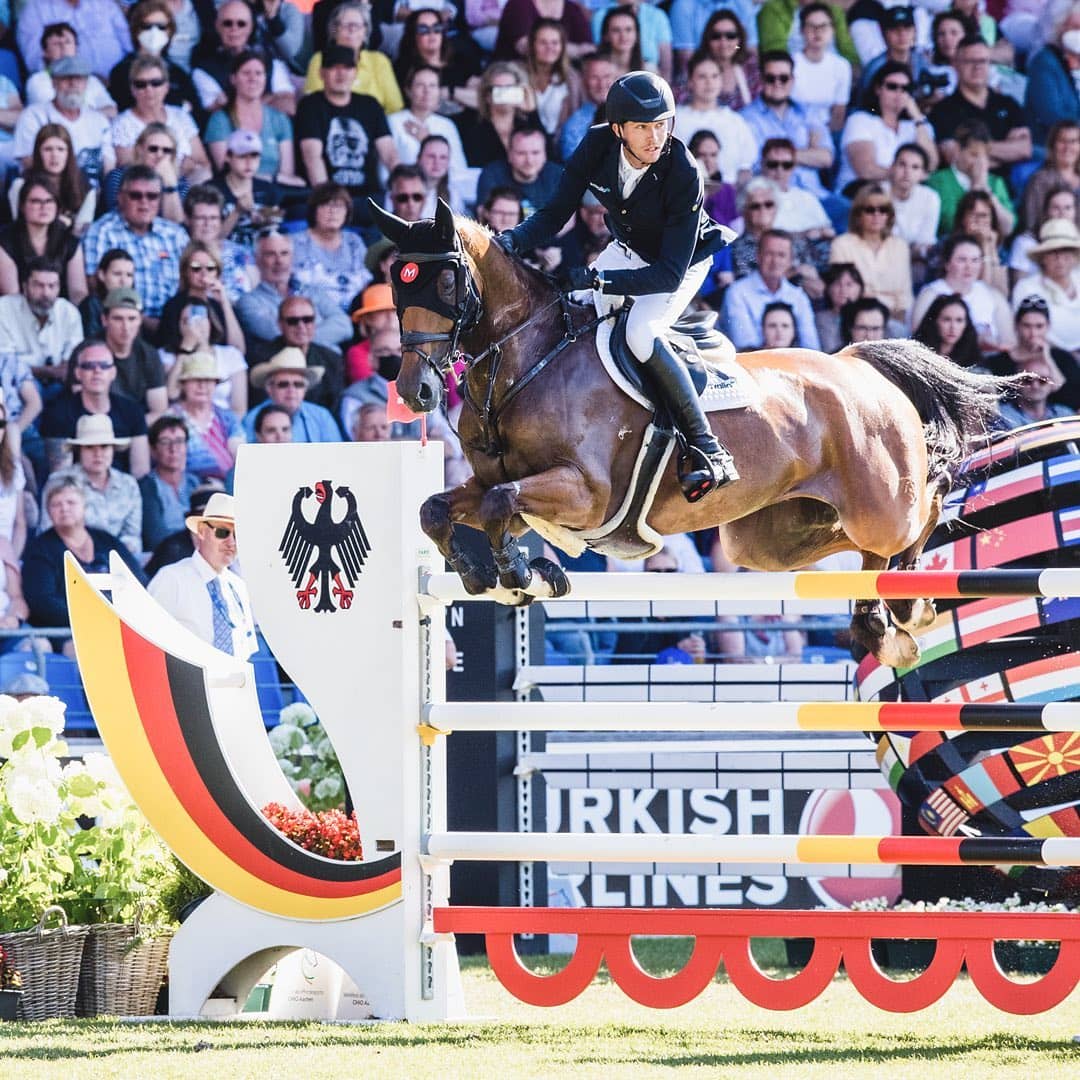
289	359
1057	234
199	365
95	429
219	507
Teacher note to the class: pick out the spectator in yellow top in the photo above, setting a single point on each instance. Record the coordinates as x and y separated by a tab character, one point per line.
350	25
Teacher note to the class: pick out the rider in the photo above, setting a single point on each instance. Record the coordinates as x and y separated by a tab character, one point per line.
661	252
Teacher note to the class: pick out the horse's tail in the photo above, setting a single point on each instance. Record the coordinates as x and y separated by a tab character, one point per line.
958	406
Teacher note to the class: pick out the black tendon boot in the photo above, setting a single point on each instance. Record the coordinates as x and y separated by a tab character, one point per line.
707	464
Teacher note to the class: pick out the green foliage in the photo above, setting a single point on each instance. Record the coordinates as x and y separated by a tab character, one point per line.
69	835
179	888
308	758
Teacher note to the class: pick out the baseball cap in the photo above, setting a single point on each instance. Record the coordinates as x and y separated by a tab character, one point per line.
242	142
338	56
122	298
70	67
895	17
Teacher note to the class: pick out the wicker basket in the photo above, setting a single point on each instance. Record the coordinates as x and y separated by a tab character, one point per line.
49	962
123	968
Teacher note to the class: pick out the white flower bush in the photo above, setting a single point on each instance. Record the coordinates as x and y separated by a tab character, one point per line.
307	758
69	833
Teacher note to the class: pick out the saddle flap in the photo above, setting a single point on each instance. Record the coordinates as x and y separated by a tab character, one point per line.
692	332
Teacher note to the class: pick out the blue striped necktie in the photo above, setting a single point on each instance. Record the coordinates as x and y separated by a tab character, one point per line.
223	624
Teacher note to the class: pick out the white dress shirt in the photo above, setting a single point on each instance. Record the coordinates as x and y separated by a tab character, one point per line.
39	345
180	588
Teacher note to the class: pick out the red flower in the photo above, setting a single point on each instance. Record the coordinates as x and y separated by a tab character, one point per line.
329	833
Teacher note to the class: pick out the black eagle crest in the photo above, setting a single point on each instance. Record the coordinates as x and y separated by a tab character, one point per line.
339	548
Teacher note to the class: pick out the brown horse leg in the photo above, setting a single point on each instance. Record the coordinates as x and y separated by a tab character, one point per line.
559	495
438	516
915	614
870	628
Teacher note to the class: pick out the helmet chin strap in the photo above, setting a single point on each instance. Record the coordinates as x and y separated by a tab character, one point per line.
630	153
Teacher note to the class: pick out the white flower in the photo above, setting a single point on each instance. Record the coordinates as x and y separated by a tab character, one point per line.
33	765
299	714
84	792
101	768
286	737
32	801
41	711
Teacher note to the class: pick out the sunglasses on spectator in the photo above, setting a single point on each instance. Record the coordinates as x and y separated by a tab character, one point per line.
235	24
143	196
773	164
168	151
299	320
899	87
95	365
724	35
143	84
876	208
222	532
423	29
270	230
405	197
760	206
777	79
290	384
210	268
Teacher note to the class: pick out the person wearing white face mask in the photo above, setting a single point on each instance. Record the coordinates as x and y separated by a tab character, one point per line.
1053	89
153	30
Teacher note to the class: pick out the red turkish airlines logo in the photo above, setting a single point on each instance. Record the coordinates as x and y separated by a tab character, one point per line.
409	272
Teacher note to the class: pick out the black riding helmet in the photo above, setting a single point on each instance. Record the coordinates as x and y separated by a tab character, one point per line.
639	97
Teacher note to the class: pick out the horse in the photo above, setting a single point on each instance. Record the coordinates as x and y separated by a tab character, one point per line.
847	452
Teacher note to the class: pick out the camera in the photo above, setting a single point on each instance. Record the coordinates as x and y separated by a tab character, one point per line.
929	83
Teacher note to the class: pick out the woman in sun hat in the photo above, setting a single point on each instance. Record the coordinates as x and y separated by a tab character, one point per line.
214	433
1057	255
113	500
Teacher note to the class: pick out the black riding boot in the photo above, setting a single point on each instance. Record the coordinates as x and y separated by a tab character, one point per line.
707	464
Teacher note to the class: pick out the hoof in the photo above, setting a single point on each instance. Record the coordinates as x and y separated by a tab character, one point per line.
478	579
553	581
898	649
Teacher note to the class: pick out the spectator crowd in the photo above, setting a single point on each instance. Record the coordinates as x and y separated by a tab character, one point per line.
188	261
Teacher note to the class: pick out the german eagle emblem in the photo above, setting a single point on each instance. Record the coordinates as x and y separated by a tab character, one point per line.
329	554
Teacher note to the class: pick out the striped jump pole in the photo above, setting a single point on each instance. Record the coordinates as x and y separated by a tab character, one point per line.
785	849
801	585
729	716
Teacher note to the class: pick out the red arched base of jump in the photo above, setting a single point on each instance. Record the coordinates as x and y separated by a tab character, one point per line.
604	934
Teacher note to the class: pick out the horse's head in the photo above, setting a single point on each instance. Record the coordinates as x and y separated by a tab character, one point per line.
437	301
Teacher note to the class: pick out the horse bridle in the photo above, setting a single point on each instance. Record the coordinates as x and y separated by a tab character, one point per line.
464	313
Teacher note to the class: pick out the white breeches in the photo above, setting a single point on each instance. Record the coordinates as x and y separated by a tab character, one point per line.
652	315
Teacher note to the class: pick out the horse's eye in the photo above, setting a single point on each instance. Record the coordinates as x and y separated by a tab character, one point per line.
447	286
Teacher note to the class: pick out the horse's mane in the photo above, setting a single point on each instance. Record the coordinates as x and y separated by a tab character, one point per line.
468	228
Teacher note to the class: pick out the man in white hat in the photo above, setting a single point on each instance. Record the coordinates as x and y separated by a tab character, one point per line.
95	373
201	592
287	377
113	500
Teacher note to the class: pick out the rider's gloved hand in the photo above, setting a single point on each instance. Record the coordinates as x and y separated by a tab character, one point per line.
584	277
505	240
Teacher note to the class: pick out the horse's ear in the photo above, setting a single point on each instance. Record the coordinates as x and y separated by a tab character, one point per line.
444	220
390	225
